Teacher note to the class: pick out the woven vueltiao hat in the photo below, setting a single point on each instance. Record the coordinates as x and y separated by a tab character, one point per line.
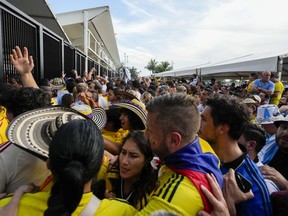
127	96
57	83
135	106
33	130
97	114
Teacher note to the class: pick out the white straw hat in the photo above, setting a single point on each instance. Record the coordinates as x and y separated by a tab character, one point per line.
33	130
135	106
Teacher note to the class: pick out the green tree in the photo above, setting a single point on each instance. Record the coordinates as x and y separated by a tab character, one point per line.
163	66
134	73
151	66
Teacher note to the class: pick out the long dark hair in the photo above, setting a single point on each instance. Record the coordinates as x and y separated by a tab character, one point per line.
148	177
75	157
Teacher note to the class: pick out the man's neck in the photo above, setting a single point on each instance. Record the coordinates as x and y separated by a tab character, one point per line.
227	151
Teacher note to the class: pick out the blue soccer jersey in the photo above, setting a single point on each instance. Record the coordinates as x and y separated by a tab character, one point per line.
260	204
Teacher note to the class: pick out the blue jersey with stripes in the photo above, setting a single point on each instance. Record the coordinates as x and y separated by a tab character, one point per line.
260	204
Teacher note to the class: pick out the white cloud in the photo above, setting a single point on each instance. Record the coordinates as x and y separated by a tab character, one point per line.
190	33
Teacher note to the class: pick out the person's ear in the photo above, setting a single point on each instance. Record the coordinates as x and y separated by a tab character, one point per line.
223	129
251	145
174	139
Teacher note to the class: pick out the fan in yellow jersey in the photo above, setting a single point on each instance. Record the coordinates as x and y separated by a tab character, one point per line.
112	129
278	89
122	117
75	156
36	204
3	117
3	125
252	77
132	117
133	179
172	123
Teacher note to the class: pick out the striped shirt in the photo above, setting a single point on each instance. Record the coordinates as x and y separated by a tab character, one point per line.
177	189
260	204
174	193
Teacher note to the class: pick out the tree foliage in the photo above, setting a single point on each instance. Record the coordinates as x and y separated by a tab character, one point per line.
154	67
134	73
163	66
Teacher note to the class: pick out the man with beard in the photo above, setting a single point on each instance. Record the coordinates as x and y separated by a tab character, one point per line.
279	162
277	168
172	123
223	120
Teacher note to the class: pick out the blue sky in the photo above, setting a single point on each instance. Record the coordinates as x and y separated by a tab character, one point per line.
191	32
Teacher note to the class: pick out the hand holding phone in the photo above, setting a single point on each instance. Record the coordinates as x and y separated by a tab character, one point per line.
236	189
243	184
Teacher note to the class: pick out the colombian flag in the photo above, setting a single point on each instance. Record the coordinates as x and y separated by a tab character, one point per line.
194	161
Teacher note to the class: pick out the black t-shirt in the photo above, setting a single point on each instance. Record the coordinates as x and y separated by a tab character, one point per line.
280	163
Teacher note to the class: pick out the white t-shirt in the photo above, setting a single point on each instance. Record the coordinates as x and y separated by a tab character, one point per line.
18	167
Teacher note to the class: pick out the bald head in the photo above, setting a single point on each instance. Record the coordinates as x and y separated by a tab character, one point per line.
266	76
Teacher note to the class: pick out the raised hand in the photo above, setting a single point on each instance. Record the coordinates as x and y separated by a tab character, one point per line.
24	65
22	62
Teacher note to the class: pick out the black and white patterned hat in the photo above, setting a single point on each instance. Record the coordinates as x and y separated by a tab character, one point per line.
33	130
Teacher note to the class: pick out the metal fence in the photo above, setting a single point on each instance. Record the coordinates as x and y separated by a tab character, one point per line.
50	52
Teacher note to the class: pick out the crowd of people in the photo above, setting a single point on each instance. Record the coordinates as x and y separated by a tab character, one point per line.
92	145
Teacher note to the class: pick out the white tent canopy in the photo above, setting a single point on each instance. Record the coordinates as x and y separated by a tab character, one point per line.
179	72
237	67
245	66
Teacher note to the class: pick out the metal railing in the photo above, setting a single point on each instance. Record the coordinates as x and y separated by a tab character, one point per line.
51	53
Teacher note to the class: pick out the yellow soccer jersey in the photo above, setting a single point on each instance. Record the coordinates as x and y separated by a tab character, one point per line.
103	169
36	204
173	193
3	125
116	137
249	87
279	87
54	101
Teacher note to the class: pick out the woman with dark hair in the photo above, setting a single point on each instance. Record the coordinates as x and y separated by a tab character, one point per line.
133	117
130	120
75	157
137	178
113	94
